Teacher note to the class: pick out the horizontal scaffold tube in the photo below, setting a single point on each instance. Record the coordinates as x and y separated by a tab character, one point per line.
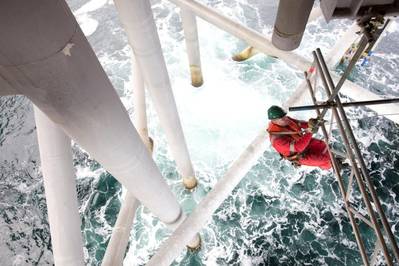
64	78
172	247
264	45
348	104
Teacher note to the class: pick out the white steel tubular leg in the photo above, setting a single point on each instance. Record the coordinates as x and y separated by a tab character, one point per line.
192	45
139	103
137	18
71	87
117	245
203	212
60	189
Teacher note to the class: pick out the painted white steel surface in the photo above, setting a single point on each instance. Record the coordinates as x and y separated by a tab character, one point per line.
189	23
60	190
117	245
137	19
68	84
5	88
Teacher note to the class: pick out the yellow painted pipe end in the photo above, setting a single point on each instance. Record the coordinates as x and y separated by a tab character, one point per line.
196	76
245	54
189	182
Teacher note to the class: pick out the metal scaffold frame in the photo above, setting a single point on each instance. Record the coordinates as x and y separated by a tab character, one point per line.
354	154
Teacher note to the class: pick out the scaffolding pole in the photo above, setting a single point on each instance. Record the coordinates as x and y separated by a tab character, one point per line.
137	19
349	140
189	23
172	247
359	51
348	104
341	185
60	189
357	155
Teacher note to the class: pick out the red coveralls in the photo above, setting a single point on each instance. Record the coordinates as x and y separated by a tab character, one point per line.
313	151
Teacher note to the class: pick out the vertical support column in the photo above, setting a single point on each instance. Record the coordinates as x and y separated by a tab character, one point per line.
290	24
192	45
250	51
139	104
136	17
117	245
60	190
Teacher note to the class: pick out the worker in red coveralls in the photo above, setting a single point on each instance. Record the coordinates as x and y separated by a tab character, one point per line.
293	140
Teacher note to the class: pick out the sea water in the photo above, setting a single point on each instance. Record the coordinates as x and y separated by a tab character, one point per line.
277	215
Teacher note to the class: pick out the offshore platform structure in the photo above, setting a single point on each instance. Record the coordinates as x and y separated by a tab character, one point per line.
45	56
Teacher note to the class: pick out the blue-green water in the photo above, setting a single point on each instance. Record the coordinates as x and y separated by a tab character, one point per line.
277	215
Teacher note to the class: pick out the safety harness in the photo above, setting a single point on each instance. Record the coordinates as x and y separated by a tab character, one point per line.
292	130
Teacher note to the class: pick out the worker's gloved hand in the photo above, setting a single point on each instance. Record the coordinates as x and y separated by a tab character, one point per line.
313	125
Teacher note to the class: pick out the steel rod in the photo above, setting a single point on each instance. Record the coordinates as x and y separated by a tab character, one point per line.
349	188
377	249
352	63
332	104
361	216
340	181
327	86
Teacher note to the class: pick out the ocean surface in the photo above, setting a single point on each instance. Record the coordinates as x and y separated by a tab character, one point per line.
277	215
